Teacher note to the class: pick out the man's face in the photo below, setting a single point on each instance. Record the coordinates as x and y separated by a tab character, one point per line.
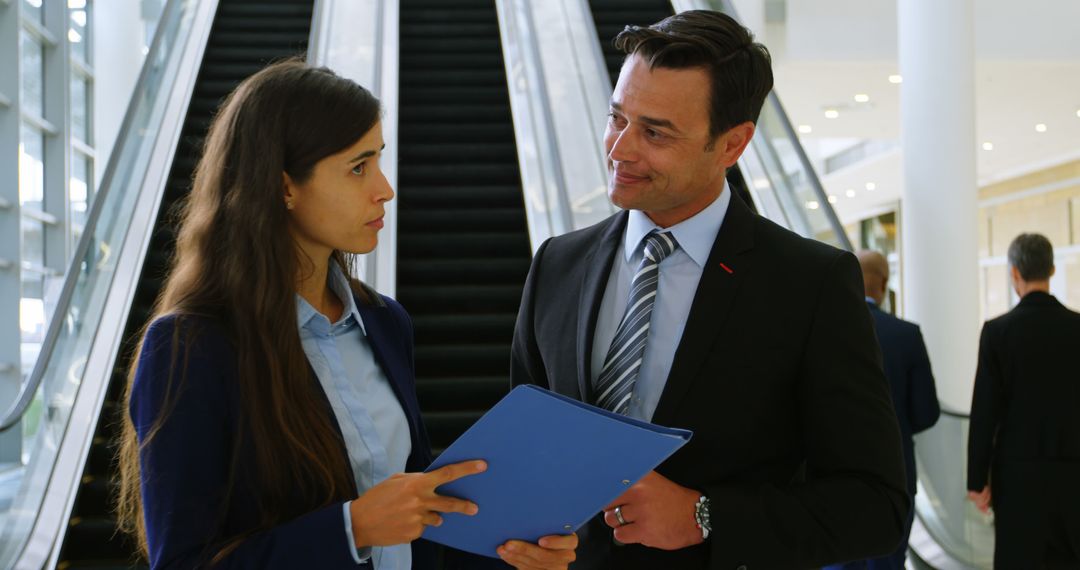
660	159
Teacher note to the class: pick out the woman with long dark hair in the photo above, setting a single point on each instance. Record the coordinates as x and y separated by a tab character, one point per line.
272	419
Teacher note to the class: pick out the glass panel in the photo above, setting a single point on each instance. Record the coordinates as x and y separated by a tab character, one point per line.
941	499
77	30
78	189
33	241
32	9
80	316
31	168
80	105
31	319
33	70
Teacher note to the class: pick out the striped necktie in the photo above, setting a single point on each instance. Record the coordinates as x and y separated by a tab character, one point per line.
616	382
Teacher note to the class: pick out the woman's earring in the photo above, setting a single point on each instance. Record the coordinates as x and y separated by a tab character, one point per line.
288	204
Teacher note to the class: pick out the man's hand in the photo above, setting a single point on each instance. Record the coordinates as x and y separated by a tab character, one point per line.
552	553
981	499
658	513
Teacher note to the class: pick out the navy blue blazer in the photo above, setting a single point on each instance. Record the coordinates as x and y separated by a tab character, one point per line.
186	466
907	368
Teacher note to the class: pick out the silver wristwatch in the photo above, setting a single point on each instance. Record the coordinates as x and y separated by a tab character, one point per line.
701	516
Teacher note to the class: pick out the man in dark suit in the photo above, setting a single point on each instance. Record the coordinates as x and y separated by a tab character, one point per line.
907	368
682	311
1024	442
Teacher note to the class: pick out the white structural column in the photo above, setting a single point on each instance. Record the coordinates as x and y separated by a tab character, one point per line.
939	207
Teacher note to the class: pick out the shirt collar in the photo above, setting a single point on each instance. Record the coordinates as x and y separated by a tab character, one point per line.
696	234
339	285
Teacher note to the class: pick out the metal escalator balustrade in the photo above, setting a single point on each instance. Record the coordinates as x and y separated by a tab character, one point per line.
60	401
463	248
246	35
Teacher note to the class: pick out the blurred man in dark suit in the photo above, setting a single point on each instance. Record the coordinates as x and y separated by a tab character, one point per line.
1024	443
907	368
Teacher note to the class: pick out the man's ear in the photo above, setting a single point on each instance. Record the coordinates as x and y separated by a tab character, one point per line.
730	145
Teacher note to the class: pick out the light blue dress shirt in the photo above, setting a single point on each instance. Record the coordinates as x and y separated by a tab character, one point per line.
374	426
680	273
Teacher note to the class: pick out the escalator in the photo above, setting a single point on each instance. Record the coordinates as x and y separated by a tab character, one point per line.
463	247
245	36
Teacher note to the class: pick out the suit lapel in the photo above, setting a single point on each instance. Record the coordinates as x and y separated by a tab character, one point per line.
728	264
597	270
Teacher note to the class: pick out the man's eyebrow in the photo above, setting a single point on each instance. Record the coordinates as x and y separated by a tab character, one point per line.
366	154
652	121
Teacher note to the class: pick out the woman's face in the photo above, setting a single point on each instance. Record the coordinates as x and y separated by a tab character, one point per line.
340	206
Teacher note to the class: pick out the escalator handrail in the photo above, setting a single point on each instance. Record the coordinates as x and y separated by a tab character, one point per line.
26	395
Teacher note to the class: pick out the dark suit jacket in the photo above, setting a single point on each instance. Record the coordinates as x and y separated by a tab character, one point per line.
1027	390
186	465
778	375
907	368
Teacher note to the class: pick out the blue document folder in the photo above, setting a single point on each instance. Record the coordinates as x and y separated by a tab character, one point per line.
553	464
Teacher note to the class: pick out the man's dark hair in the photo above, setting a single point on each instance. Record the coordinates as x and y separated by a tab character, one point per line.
740	69
1033	256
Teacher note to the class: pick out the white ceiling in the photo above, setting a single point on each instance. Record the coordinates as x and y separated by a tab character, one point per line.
1027	72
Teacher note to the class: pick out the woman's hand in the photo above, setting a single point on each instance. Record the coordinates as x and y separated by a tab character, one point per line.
554	552
397	510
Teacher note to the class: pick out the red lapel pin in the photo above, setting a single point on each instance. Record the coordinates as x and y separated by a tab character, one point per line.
728	269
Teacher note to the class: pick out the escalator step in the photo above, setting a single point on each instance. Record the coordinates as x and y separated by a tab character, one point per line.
436	328
479	195
471	152
95	538
463	245
451	77
475	114
493	270
455	95
95	496
456	133
445	427
439	61
445	16
462	46
458	29
443	394
466	298
463	360
501	219
490	173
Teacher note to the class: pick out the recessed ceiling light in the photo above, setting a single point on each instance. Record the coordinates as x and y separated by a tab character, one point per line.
871	186
806	129
988	146
813	205
896	79
1078	112
831	113
761	183
1040	128
850	193
862	98
832	199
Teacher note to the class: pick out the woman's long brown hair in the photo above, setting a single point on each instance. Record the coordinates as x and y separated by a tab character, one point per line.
236	264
